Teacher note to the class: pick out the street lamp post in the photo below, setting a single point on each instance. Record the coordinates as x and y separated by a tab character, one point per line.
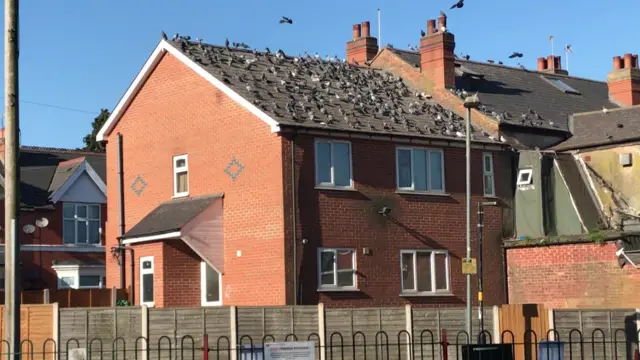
471	102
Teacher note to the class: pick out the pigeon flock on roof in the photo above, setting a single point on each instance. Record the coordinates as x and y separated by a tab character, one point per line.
309	91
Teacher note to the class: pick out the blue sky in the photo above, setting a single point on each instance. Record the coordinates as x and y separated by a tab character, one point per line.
81	54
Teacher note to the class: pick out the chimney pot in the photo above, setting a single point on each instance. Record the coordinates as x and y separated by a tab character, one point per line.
551	62
557	63
635	61
356	31
442	22
542	64
628	61
617	63
366	29
431	27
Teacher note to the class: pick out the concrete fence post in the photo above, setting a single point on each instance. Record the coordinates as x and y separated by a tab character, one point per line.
144	331
497	336
322	331
55	331
233	329
408	314
46	297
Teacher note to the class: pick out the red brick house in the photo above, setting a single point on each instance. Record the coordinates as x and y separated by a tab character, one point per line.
253	178
63	212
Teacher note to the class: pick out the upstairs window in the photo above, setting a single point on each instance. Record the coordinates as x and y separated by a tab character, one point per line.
420	170
487	175
333	164
81	224
180	176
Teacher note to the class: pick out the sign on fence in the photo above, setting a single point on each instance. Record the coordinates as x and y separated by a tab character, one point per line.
298	350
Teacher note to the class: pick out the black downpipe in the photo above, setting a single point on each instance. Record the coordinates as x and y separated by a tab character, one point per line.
293	219
121	216
132	294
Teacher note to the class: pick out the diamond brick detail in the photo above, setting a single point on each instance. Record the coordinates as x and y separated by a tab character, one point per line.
138	185
234	168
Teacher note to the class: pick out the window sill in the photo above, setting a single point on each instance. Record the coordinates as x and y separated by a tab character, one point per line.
338	188
425	294
212	304
338	290
179	196
149	305
426	193
490	196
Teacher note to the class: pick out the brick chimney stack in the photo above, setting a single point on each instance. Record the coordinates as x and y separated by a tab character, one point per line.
436	53
552	65
363	47
624	80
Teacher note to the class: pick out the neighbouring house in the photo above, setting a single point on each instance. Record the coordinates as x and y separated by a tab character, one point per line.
251	178
580	223
529	107
62	217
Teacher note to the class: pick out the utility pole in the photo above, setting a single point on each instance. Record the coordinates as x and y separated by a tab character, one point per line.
12	179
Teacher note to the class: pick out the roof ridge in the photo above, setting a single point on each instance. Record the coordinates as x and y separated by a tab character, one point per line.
608	110
59	150
528	70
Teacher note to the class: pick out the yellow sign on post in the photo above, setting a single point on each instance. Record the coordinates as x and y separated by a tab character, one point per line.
469	266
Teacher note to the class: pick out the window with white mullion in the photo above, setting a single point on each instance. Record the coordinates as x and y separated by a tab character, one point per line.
425	271
333	163
181	175
420	170
336	268
488	178
81	224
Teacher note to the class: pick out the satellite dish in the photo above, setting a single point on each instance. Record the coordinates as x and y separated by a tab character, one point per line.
29	229
41	223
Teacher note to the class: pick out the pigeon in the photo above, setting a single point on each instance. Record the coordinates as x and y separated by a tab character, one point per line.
286	20
164	36
422	33
442	14
458	5
490	61
466	57
605	110
515	55
226	43
176	37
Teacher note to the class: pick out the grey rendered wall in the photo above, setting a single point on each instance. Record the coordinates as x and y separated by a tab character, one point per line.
528	200
566	221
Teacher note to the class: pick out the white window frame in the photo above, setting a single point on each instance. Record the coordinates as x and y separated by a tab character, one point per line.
76	219
433	272
203	286
487	157
412	187
332	183
146	272
177	170
75	272
529	180
335	269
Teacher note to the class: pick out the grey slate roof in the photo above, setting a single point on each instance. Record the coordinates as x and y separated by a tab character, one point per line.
314	93
518	96
582	196
171	216
38	166
598	128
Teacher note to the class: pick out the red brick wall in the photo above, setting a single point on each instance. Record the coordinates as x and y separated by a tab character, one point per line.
178	112
571	276
333	218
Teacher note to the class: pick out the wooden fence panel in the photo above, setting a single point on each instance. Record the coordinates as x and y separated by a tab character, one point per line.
36	326
529	323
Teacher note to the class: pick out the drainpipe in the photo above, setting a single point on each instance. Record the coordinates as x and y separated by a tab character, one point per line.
293	218
121	215
132	295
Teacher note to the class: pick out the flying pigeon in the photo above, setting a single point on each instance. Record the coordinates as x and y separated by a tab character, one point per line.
458	5
515	55
286	20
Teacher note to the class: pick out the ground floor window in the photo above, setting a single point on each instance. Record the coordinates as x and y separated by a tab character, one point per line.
336	269
146	281
210	285
80	277
425	271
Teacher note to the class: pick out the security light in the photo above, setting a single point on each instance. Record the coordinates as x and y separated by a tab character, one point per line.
384	211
